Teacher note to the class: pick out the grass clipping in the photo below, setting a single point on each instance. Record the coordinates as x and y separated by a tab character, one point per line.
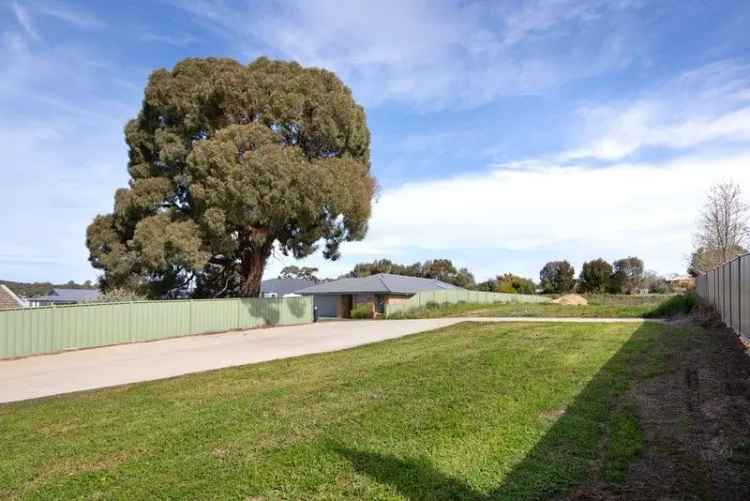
572	300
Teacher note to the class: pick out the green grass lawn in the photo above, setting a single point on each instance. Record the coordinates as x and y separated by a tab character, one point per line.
474	411
600	306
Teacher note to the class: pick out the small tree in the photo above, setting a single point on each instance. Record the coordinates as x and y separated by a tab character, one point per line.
557	276
723	228
513	284
595	276
655	283
627	277
487	286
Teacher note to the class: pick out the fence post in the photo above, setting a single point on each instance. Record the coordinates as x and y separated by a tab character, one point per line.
237	314
130	320
731	293
739	295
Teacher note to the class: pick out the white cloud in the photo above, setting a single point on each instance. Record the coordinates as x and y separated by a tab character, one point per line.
63	155
24	20
709	104
431	54
181	40
538	212
78	18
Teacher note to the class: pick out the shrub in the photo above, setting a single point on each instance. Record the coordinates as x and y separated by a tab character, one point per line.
655	284
682	304
432	305
513	284
362	311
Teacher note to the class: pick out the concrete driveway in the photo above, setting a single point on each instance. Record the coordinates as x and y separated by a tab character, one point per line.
46	375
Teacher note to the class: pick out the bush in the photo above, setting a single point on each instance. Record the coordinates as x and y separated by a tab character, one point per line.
432	305
513	284
682	304
362	311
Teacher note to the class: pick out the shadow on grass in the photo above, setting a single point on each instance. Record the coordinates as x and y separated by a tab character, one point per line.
562	459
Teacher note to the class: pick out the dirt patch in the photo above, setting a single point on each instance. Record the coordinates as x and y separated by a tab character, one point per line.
572	300
694	412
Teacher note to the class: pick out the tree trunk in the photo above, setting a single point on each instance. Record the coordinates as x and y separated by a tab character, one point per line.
253	263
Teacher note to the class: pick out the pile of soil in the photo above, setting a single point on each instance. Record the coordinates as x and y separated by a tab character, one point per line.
571	299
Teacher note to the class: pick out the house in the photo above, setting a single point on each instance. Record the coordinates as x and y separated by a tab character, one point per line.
681	281
336	298
8	300
60	296
280	287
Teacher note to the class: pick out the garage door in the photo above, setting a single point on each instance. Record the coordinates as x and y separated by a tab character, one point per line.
326	306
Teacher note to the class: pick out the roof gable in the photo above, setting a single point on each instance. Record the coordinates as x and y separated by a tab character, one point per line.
8	299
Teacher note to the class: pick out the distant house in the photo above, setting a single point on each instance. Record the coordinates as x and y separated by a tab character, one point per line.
336	298
8	300
60	296
280	287
681	281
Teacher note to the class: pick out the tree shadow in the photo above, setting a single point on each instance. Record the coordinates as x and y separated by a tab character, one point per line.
260	311
257	312
300	307
414	479
558	462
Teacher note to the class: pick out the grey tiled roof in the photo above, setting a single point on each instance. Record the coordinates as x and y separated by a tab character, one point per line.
282	286
61	295
381	283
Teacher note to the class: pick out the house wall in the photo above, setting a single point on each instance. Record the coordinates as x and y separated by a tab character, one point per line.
344	306
345	302
396	299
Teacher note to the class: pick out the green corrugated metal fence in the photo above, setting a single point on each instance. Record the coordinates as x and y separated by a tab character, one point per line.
33	331
453	296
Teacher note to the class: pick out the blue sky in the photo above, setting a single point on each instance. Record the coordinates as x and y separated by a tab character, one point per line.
504	134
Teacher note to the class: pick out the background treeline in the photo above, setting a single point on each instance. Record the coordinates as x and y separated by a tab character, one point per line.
36	289
623	276
439	269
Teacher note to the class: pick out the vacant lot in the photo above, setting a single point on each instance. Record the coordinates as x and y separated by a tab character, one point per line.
600	306
474	411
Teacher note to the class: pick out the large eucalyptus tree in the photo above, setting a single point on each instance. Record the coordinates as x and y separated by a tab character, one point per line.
228	162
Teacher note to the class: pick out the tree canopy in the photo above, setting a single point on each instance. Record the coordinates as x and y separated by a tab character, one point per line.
439	269
723	228
595	276
303	273
628	275
557	276
228	162
703	259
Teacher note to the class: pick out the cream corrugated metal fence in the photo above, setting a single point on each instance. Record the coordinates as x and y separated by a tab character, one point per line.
727	289
32	331
453	296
